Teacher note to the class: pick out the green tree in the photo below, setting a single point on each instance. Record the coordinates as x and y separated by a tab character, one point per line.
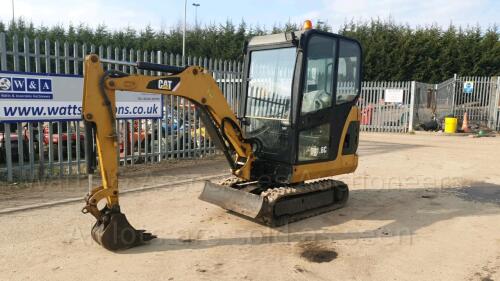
391	51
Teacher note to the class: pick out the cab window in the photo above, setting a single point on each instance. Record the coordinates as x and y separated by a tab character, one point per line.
317	91
348	71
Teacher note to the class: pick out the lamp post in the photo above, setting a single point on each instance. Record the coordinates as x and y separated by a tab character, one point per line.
196	5
13	17
184	34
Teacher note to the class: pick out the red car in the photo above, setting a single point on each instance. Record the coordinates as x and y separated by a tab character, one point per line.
132	137
62	139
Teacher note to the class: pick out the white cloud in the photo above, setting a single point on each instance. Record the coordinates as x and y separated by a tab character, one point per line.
90	12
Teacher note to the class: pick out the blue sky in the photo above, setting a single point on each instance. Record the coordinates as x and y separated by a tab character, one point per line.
168	13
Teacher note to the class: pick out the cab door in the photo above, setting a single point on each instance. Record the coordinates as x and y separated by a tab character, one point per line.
330	87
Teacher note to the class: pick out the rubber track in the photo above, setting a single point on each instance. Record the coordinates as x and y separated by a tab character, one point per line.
278	194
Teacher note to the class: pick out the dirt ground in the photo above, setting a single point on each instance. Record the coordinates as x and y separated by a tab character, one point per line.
132	177
422	207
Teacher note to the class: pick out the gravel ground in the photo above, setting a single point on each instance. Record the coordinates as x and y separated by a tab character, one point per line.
422	207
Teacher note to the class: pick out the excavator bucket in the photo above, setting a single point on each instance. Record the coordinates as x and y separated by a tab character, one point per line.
245	203
115	233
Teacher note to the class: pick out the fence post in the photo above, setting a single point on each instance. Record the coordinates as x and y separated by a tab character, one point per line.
15	53
453	96
47	56
496	107
159	60
3	52
38	63
412	105
3	66
8	152
27	61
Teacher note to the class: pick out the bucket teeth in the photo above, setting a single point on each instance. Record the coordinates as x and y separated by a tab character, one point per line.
115	233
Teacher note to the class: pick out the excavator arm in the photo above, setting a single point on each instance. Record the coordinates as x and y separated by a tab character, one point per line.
112	229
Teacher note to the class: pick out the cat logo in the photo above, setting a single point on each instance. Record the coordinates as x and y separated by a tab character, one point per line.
165	84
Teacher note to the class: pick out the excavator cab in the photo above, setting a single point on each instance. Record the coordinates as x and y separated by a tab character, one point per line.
299	113
299	95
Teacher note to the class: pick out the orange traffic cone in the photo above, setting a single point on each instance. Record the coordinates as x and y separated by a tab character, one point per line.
465	124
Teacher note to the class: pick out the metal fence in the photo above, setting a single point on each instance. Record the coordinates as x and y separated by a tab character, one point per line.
448	98
377	115
478	103
432	102
37	150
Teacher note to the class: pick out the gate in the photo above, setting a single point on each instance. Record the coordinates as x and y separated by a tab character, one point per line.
478	103
424	109
381	115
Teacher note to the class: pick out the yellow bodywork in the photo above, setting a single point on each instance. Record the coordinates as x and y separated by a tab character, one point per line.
343	164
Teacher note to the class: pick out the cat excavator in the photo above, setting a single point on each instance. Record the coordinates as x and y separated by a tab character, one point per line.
298	125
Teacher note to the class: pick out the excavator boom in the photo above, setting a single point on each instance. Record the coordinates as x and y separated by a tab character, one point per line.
112	229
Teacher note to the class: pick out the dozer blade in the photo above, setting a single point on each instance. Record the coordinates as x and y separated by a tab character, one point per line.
115	232
232	199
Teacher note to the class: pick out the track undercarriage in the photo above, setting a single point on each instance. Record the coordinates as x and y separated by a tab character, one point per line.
277	205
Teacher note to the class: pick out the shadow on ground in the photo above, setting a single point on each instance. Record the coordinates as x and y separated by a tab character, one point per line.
404	212
376	147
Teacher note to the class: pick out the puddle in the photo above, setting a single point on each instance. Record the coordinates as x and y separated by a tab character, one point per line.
317	254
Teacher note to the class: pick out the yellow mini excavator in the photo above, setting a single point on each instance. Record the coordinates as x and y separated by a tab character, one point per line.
298	123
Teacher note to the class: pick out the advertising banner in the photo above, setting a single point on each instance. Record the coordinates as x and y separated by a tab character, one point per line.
41	97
